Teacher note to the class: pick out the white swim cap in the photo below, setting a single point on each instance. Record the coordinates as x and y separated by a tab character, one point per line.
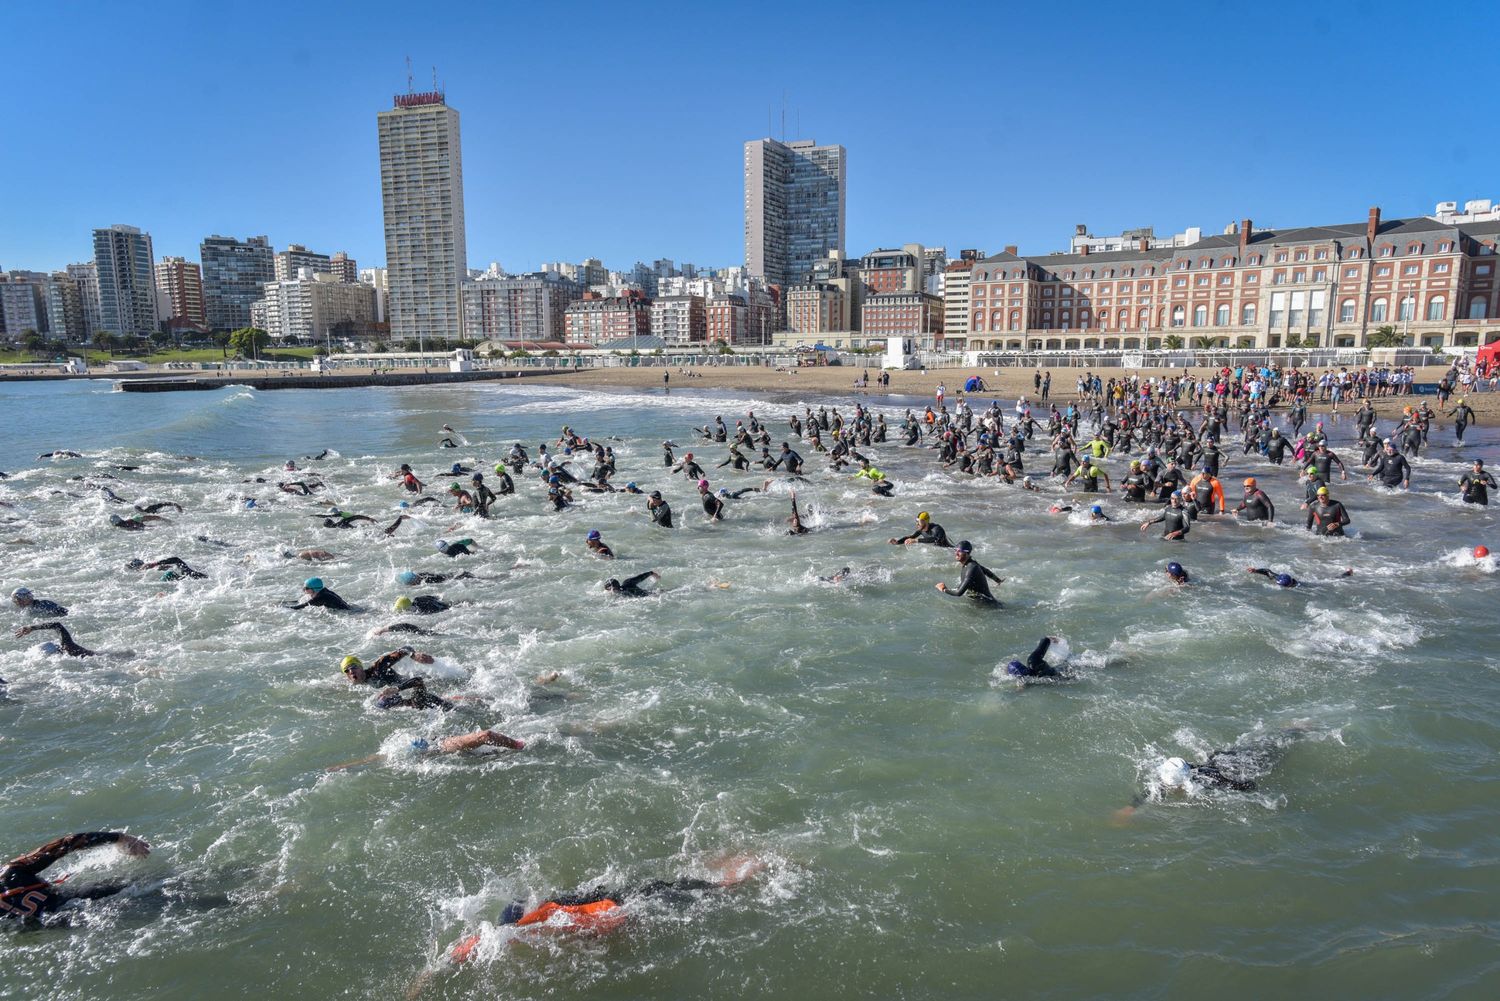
1173	772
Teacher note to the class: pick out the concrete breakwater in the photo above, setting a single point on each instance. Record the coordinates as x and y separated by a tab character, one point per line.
327	380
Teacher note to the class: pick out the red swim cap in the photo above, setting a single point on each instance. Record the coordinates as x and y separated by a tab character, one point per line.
1480	552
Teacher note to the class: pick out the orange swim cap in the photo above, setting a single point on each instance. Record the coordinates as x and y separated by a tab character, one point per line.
1480	552
1249	481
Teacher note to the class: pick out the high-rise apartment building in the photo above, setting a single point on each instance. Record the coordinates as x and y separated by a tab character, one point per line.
64	308
234	272
23	303
344	267
794	207
422	197
124	265
379	280
679	320
87	277
290	262
956	298
501	307
181	282
315	307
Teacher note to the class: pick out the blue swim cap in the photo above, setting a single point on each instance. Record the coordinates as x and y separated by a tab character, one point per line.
313	583
555	479
513	912
456	469
1175	569
403	505
1284	579
440	544
630	485
1096	509
1015	667
249	502
49	648
420	744
406	577
593	534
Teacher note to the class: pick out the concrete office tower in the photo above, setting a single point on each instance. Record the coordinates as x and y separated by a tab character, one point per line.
794	207
422	196
295	257
127	281
234	272
87	277
181	282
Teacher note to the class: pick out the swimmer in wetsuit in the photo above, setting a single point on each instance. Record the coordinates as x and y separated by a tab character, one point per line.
631	586
712	506
796	519
1235	768
452	550
1327	516
1256	506
1175	520
320	596
26	896
23	599
599	910
660	510
382	671
65	642
1285	579
1476	484
412	694
972	583
176	568
134	524
1177	573
596	545
928	532
158	506
422	604
1036	665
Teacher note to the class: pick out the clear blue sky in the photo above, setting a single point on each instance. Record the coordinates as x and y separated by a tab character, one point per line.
615	130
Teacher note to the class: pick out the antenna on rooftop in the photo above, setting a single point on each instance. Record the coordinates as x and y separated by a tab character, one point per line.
408	74
434	80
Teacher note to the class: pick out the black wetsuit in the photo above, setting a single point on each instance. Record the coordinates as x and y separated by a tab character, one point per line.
456	549
1257	507
49	609
1173	519
411	694
64	639
932	535
325	599
974	583
1477	486
1269	575
1327	517
25	895
662	515
1036	665
1392	469
631	586
713	507
428	604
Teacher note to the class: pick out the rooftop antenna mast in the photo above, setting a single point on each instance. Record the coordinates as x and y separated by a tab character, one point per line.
408	75
783	116
434	80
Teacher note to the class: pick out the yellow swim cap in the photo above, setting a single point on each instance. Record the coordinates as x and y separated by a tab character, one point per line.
350	661
924	516
403	603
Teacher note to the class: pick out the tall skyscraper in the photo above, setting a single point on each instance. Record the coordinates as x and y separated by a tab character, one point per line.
233	273
346	267
422	195
794	207
127	282
181	282
291	261
87	277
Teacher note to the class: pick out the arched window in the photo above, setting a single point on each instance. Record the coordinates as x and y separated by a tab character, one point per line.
1436	307
1247	315
1377	311
1221	315
1144	320
1177	315
979	321
995	319
1200	316
1478	308
1346	311
1015	319
1408	308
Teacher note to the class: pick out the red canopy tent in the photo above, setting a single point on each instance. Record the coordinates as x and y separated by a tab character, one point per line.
1489	355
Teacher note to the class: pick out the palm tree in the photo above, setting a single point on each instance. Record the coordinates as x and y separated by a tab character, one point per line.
1172	342
1384	337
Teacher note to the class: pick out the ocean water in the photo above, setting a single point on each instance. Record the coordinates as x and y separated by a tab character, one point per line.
929	829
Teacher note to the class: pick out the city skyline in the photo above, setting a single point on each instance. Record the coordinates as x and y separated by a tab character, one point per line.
1015	153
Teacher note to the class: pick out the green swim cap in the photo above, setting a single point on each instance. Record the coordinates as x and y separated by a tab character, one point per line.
1312	470
403	603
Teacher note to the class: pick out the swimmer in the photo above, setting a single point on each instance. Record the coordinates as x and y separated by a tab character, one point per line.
23	599
1476	484
1036	665
334	518
631	488
631	586
1174	519
737	494
308	554
712	506
596	545
1235	768
1256	506
412	694
176	568
447	745
837	578
25	895
689	467
1027	483
1096	514
1326	516
403	627
61	453
134	524
320	596
65	643
1285	579
382	671
928	533
1176	574
601	910
158	506
422	604
796	519
452	550
413	577
660	510
973	581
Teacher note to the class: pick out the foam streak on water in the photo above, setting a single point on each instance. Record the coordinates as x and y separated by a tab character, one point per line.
930	828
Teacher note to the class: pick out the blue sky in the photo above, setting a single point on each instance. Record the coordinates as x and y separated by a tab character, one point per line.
615	130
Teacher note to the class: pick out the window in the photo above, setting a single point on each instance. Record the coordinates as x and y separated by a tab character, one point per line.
1301	255
1443	248
1200	316
1436	307
1129	272
1252	279
1278	309
1482	269
1351	272
1410	269
1226	279
1088	274
1299	276
1177	314
1387	251
1145	318
1377	311
1202	281
978	321
1048	291
1228	262
1179	282
1067	291
1255	259
1281	257
1046	316
1478	308
1066	316
1015	319
1321	255
1384	271
1346	311
1221	315
1440	269
1315	312
1183	265
1279	278
1414	248
1294	315
1320	275
1247	315
1408	308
